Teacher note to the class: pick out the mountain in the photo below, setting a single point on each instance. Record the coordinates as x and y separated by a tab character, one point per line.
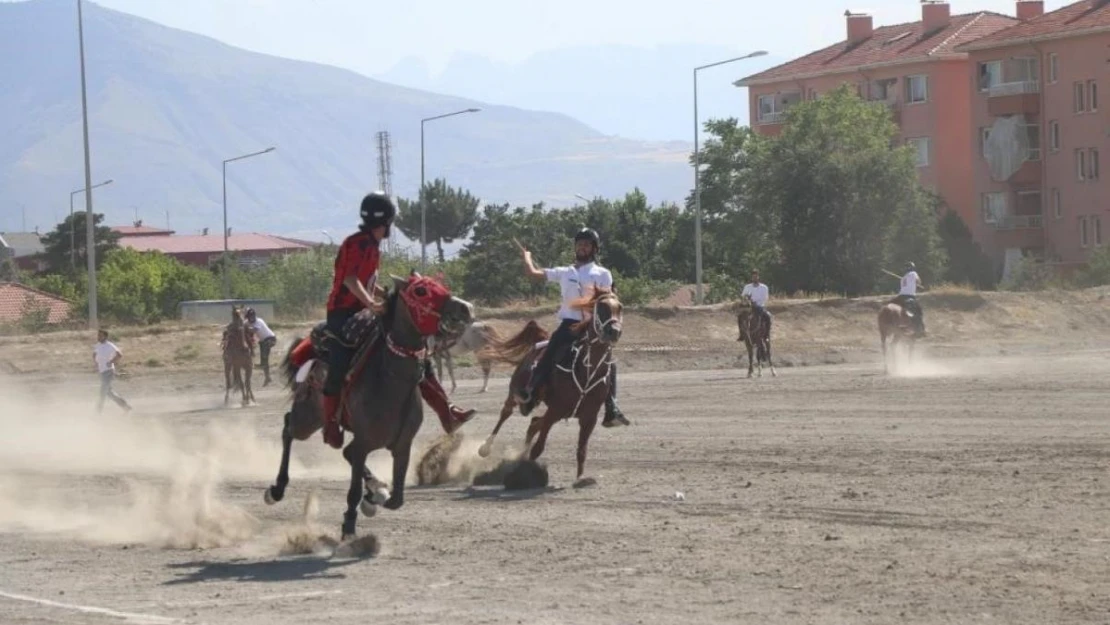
167	106
622	90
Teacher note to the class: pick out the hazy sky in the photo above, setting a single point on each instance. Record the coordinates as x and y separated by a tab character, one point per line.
369	36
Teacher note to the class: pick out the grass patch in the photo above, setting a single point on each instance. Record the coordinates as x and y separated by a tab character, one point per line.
186	353
153	363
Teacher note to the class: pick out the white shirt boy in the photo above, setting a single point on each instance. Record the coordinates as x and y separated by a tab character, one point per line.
909	284
104	353
261	329
575	282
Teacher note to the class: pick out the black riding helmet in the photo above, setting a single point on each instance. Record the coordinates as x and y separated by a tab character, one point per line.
910	266
377	209
591	235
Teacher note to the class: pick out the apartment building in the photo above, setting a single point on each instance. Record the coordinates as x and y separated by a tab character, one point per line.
916	70
1041	134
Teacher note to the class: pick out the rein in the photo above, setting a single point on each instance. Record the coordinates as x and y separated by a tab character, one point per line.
595	375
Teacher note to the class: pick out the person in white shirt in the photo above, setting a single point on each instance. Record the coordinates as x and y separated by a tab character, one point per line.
574	281
907	297
105	357
266	340
760	295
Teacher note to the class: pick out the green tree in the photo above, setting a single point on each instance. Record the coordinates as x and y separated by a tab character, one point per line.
146	287
915	237
450	214
57	248
835	185
967	264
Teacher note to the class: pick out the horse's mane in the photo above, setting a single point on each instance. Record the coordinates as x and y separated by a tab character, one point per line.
515	348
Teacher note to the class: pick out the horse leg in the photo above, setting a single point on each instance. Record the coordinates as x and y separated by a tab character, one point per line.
357	458
276	492
250	374
227	382
770	363
506	411
487	366
545	423
450	370
751	363
400	470
376	491
585	429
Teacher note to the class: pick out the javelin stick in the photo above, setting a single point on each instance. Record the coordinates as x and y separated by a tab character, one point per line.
891	274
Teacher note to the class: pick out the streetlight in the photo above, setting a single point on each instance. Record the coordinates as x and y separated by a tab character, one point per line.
423	211
328	235
89	229
227	285
579	196
697	172
73	227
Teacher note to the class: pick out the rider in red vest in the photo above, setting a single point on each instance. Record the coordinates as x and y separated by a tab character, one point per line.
356	270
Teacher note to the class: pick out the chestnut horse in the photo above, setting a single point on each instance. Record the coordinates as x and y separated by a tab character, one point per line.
895	323
755	333
238	347
577	391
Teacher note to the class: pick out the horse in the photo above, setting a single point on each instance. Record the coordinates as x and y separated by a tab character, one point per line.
474	338
576	391
896	323
380	400
238	350
754	332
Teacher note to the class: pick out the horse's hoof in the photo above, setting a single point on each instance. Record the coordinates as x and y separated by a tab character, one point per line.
270	498
585	482
379	496
394	503
345	536
367	508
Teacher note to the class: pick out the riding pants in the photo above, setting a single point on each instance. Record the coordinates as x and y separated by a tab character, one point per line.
339	353
562	337
911	304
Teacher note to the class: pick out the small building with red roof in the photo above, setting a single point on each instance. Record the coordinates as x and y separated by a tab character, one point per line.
249	249
18	300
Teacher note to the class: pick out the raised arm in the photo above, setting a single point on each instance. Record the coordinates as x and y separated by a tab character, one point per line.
530	269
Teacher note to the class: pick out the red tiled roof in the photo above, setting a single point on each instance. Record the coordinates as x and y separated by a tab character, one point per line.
140	231
212	244
901	43
13	303
1083	17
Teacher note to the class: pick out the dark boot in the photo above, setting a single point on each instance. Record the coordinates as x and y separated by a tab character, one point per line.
451	417
333	435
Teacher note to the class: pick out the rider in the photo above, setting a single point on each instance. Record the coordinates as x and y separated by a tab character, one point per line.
266	340
759	294
907	297
573	282
356	271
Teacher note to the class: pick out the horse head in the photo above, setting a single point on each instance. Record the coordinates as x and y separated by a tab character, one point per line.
429	308
604	310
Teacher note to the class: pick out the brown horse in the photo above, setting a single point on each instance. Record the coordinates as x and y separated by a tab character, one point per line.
895	323
474	338
238	347
756	336
576	391
380	402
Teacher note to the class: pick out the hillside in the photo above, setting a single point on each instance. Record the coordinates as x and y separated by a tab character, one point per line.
167	106
816	332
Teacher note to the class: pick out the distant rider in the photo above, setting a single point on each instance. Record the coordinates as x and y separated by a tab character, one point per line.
760	295
266	340
907	298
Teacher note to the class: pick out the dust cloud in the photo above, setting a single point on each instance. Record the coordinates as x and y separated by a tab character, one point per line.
127	478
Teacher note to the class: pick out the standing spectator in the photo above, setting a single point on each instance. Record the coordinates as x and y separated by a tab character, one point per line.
105	357
266	340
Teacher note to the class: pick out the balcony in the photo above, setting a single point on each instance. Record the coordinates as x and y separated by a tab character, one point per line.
1012	86
1020	222
772	117
1020	87
772	109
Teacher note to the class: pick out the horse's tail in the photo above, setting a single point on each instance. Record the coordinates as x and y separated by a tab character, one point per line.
490	335
288	365
513	350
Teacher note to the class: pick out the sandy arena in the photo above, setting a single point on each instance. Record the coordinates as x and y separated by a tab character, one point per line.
967	490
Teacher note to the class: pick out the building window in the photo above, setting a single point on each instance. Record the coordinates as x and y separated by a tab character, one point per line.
1080	99
1080	165
1083	232
917	89
920	147
773	107
990	74
1053	67
1092	164
1092	96
1096	227
994	207
1054	136
984	136
1034	133
1057	210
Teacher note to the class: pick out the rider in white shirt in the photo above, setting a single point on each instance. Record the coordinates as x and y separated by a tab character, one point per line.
907	297
760	295
575	281
266	340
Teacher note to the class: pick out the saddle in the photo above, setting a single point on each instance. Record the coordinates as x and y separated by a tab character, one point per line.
357	332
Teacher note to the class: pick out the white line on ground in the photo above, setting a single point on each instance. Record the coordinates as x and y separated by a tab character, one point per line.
127	616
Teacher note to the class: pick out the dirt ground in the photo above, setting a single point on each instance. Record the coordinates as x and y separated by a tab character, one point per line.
971	489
